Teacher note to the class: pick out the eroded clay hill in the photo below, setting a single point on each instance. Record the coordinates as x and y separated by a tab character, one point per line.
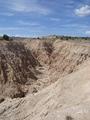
44	80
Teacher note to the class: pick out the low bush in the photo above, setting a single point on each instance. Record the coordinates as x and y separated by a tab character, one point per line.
69	118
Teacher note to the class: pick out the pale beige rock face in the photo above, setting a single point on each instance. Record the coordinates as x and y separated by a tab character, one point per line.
62	87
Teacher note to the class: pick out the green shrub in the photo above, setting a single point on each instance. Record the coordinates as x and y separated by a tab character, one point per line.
6	37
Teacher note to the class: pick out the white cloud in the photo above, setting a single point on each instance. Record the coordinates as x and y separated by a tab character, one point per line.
28	6
83	11
55	19
25	23
9	28
88	32
24	29
75	25
6	14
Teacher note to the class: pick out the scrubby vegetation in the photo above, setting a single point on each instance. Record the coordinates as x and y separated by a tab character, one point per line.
48	46
51	37
54	37
6	37
69	118
2	100
17	68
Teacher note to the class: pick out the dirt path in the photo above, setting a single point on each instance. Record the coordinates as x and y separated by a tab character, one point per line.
44	77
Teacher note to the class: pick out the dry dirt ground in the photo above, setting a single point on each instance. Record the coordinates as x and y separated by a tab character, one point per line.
44	80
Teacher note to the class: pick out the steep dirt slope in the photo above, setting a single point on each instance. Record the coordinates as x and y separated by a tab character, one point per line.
60	57
56	72
17	68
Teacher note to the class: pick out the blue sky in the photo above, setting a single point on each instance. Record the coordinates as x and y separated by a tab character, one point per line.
45	17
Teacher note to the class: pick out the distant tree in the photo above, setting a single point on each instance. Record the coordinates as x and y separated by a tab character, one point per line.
38	38
57	37
6	37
